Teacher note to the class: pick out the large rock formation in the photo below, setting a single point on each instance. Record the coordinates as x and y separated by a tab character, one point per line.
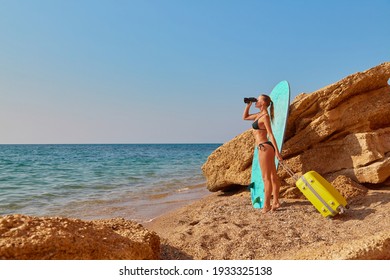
342	129
36	238
230	164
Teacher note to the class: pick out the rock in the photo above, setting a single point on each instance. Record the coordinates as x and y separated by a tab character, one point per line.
230	164
349	188
37	238
362	156
342	129
364	113
375	247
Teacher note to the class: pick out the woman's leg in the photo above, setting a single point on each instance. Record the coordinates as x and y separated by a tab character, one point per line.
267	164
275	188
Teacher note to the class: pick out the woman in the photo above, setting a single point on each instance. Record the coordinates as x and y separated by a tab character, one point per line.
268	149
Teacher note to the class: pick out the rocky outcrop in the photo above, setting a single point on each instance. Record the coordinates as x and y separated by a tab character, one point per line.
230	164
375	247
36	238
342	129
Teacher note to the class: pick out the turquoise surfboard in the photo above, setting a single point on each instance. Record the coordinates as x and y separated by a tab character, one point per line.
280	96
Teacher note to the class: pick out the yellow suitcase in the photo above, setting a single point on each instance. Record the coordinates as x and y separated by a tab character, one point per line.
324	197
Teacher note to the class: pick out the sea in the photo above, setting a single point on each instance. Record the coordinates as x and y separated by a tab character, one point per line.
101	181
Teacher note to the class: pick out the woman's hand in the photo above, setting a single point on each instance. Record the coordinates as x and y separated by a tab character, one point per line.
279	156
246	116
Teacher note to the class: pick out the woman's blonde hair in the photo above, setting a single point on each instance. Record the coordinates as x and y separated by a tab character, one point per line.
269	102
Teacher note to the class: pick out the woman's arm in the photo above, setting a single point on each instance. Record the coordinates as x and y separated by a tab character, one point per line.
271	136
246	116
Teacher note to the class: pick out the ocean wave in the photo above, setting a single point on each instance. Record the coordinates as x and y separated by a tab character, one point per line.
73	179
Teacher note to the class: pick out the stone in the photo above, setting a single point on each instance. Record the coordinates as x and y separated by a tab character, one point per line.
54	238
363	113
349	188
352	155
230	164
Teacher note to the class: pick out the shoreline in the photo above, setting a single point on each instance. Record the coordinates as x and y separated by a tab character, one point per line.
141	209
171	202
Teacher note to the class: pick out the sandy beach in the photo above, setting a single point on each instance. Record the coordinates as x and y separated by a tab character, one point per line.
225	226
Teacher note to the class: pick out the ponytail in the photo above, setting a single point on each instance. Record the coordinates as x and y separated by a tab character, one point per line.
271	109
270	104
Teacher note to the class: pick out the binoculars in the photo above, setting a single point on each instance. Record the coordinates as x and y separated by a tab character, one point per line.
250	99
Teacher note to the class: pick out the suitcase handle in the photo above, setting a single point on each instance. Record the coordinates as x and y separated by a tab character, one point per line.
289	171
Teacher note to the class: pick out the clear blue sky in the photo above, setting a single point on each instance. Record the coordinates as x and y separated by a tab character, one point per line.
150	71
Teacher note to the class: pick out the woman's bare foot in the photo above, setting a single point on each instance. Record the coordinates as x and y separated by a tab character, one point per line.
275	206
266	209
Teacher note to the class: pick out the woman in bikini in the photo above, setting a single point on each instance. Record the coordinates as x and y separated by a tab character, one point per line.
268	149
